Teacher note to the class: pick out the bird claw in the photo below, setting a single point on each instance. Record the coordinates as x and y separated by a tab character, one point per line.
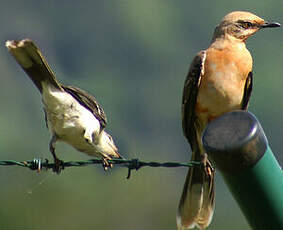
58	166
206	165
106	164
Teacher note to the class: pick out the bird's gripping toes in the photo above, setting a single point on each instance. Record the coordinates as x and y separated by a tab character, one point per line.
219	81
72	115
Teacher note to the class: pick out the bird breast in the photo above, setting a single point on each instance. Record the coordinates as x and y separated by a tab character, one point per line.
222	83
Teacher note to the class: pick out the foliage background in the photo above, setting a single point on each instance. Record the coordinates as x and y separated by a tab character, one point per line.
133	56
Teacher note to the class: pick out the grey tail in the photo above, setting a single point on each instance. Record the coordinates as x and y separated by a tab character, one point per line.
33	63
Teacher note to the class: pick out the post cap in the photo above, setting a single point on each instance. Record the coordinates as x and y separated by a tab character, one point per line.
234	141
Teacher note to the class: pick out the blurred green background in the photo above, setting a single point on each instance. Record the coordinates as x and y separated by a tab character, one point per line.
133	56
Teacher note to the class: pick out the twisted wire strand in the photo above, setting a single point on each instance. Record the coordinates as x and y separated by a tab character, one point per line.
131	164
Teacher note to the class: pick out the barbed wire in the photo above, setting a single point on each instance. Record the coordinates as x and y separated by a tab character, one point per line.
132	164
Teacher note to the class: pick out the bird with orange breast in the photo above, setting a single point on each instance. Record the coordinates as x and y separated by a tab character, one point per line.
220	80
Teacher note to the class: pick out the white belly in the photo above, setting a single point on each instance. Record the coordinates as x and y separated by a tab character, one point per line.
69	120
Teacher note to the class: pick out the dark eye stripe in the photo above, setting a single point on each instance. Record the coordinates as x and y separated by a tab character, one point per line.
246	24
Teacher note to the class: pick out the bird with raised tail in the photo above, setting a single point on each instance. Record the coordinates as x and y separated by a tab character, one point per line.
219	81
72	115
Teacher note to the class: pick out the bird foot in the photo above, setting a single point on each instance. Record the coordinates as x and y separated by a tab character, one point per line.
207	166
105	164
58	166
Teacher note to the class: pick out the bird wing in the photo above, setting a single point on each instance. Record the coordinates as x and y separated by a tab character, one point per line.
89	102
197	201
190	94
247	91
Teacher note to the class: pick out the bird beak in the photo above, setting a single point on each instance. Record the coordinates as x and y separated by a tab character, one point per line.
270	25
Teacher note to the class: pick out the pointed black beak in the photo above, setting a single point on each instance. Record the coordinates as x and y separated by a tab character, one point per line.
270	25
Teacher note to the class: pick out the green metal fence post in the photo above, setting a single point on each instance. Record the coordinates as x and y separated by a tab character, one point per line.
237	146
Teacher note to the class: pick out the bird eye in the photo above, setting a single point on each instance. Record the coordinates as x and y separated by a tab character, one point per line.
246	25
110	138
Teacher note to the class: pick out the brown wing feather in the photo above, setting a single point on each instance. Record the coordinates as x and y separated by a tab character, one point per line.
190	93
197	201
89	102
247	91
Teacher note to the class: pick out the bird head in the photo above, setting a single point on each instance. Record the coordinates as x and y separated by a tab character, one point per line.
107	146
241	25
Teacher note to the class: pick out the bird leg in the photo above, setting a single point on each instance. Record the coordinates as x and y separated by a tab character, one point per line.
58	164
207	166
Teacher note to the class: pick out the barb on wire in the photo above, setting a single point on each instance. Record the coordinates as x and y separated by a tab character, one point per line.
131	164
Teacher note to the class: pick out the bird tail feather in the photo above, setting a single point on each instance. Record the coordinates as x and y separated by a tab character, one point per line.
196	205
33	63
